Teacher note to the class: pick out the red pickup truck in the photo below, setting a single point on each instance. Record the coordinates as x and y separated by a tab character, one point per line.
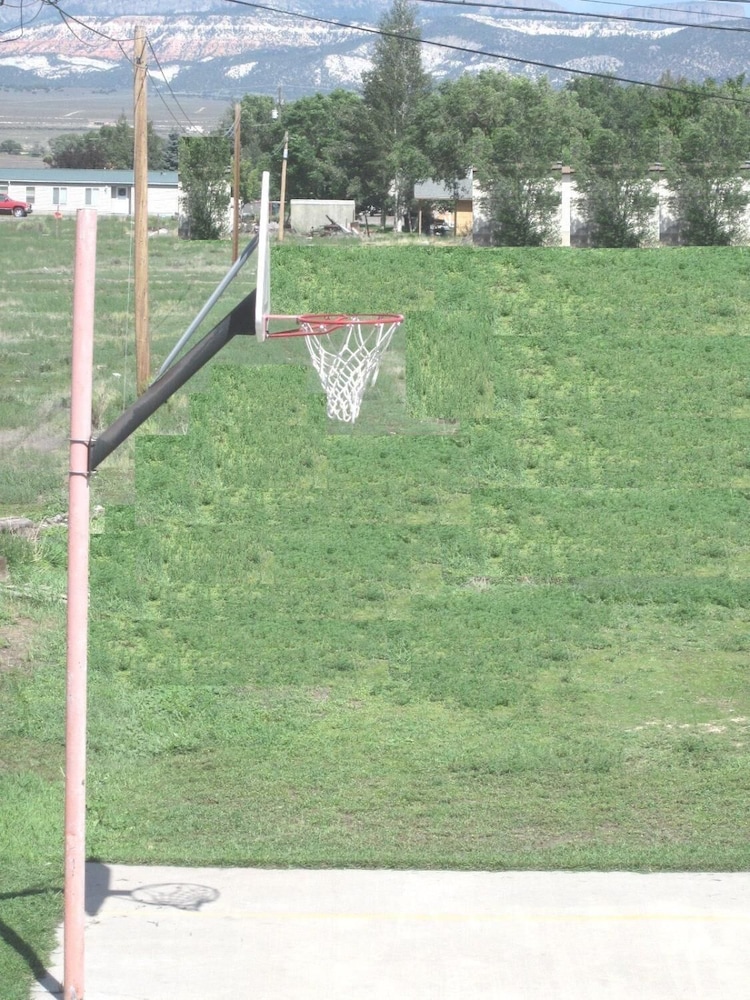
17	208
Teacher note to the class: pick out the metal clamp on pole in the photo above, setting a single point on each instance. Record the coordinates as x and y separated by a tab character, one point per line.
88	445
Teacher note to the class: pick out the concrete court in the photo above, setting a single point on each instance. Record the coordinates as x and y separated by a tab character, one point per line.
259	934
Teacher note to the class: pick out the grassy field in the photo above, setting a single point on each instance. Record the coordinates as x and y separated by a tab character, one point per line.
500	623
34	117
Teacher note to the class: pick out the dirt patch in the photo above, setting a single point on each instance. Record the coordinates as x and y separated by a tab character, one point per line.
37	439
15	645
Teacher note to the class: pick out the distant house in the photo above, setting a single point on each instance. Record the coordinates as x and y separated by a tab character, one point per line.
453	202
110	192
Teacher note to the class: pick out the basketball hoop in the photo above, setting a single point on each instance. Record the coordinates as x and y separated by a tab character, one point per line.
346	353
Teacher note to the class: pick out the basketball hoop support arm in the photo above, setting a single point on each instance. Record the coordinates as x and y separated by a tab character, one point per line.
240	321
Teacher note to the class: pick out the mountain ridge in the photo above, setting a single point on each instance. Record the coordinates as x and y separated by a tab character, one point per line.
206	48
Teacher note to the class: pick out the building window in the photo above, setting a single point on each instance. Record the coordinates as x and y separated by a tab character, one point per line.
3	187
31	195
92	196
119	192
59	196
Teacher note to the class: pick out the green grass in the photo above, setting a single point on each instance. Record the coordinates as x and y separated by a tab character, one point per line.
502	622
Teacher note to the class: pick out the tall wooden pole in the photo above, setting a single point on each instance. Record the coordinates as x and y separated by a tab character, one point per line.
236	183
78	606
282	209
140	183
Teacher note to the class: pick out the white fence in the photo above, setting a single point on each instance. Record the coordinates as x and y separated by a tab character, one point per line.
571	227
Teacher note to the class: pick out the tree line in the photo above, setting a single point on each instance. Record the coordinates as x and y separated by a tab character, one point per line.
403	127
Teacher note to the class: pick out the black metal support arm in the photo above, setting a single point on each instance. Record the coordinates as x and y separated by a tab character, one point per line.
240	321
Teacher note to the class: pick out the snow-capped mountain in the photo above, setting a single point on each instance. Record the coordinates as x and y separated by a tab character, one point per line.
225	48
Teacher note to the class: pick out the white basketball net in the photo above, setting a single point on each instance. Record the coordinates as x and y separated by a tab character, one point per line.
348	360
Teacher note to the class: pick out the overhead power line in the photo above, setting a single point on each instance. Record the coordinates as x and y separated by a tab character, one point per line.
23	22
672	10
669	10
169	88
489	55
586	15
67	19
468	50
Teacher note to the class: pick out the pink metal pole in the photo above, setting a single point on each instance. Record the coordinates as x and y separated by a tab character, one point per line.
78	606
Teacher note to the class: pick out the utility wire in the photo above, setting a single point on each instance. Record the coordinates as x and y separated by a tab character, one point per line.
490	55
169	88
668	10
119	42
182	127
67	18
22	23
586	15
453	47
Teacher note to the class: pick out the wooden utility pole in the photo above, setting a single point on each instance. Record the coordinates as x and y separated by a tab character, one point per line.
140	214
236	182
282	209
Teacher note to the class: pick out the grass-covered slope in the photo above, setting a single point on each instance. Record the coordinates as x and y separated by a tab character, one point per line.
517	641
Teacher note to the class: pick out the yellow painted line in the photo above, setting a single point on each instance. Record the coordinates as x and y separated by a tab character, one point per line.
482	918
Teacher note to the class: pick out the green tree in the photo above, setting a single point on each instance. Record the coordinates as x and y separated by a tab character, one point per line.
260	137
171	157
458	119
704	167
77	152
108	148
118	142
328	151
204	175
11	146
671	109
618	196
392	91
617	144
515	161
512	131
522	209
327	147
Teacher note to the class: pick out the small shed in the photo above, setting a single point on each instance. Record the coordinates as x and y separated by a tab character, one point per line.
454	202
307	214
